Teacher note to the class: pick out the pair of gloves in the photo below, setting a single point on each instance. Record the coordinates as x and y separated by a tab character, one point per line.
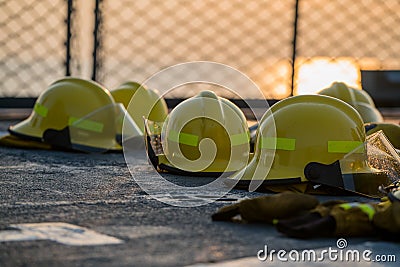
303	216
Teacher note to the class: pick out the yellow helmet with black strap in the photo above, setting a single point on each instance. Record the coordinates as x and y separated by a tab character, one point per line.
312	131
74	113
204	135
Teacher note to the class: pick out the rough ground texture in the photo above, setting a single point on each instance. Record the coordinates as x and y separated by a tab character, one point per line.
97	191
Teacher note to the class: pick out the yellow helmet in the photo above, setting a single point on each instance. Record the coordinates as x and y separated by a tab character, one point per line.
309	128
357	98
141	102
204	134
72	113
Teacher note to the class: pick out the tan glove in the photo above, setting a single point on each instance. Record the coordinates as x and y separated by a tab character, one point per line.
354	219
268	208
315	223
387	217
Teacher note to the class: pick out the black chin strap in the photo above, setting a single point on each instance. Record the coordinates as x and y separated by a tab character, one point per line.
328	174
58	138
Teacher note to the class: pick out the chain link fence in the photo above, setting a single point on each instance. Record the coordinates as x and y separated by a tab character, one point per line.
339	38
141	37
33	45
116	41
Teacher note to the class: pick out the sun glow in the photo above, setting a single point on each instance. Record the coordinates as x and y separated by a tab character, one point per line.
317	73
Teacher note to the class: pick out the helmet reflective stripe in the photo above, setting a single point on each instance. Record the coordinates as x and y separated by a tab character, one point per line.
290	144
364	207
278	143
345	146
240	139
183	138
86	124
40	110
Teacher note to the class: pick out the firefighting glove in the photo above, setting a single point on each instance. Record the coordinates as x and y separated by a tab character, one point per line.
340	220
315	223
268	209
387	217
354	219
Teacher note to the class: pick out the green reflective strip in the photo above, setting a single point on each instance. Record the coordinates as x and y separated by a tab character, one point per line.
365	208
346	206
40	110
240	139
344	146
281	143
86	124
188	139
183	138
369	210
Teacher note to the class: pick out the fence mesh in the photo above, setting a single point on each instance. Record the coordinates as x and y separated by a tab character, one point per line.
344	37
32	45
335	39
142	37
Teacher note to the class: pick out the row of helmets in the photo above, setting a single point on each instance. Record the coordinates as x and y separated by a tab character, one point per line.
78	114
309	143
316	138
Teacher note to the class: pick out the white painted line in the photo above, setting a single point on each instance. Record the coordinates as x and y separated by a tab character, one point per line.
136	232
64	233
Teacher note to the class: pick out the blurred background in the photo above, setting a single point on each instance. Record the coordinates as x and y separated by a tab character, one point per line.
286	47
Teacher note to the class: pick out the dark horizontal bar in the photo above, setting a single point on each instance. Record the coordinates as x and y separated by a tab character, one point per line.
17	102
28	102
241	103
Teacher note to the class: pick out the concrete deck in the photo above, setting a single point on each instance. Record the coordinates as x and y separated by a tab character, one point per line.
96	191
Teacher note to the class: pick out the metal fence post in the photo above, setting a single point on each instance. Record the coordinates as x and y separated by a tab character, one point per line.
68	40
294	48
96	40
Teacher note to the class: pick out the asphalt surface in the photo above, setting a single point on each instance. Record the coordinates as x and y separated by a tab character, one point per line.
97	191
